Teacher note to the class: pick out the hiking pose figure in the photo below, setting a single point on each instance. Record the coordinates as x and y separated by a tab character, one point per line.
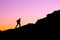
18	23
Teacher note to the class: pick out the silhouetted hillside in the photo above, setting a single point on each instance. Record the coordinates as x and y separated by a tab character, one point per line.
51	23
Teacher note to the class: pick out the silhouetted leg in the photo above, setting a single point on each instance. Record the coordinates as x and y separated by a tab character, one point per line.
19	25
16	26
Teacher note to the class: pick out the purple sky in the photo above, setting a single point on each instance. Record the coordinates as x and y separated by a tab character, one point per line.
28	10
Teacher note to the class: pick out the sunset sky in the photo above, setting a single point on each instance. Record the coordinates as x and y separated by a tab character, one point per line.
28	10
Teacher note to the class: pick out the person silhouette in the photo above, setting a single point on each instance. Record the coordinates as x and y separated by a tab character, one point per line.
18	23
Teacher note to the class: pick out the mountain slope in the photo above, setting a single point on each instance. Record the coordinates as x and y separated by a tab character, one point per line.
51	23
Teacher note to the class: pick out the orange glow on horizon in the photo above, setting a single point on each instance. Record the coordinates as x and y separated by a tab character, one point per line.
28	10
10	25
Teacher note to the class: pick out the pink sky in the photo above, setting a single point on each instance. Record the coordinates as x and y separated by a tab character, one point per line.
28	10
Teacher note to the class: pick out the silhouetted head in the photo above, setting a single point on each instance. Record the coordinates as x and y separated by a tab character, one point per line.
19	19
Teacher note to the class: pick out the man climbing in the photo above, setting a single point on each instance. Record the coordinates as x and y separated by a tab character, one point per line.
18	23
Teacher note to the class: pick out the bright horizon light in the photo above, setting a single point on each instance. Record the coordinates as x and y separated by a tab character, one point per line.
28	10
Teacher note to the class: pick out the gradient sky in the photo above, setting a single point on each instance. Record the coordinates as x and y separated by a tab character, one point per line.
28	10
